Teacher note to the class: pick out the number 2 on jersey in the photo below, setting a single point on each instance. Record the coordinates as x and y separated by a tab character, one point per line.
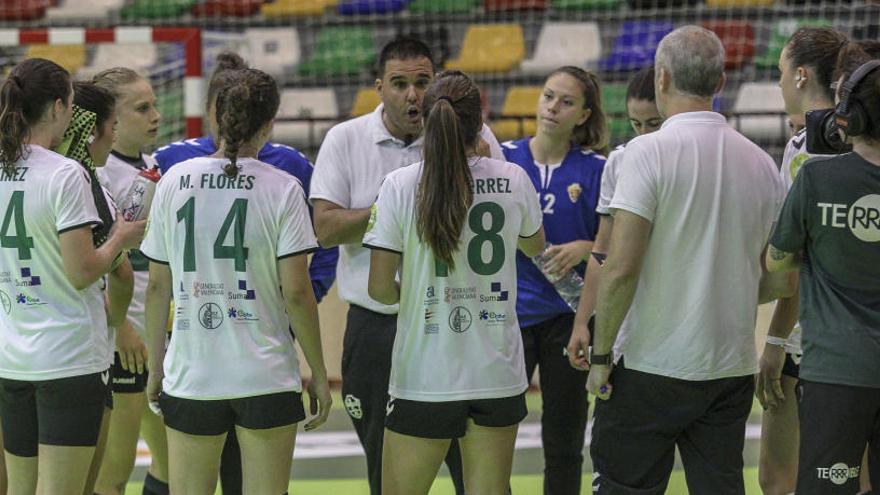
235	219
483	235
15	214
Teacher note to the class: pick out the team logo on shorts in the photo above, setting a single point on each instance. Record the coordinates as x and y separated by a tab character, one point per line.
460	319
839	473
5	302
574	192
210	315
353	406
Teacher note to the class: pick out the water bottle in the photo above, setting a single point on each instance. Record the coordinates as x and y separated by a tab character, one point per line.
568	286
136	204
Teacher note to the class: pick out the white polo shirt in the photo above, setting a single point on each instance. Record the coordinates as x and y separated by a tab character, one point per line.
354	158
712	196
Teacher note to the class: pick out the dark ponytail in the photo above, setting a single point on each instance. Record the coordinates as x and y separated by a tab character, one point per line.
247	104
593	133
226	64
32	85
452	125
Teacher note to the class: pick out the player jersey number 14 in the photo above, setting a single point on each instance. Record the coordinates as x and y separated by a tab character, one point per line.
235	219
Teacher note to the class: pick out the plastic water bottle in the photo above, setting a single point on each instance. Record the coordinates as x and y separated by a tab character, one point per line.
136	205
568	286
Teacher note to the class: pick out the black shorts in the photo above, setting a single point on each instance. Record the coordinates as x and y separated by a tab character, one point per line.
64	412
442	420
792	365
837	422
215	417
126	382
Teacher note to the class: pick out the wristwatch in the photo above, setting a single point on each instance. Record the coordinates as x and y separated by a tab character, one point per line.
600	359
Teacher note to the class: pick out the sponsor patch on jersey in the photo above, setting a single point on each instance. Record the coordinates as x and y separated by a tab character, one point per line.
574	191
492	318
210	316
5	302
460	319
240	314
839	473
28	301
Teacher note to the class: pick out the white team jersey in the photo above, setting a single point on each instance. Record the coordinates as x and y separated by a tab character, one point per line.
609	180
222	238
117	176
457	333
49	330
792	159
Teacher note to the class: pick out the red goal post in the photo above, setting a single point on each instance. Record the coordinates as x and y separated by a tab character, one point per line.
189	37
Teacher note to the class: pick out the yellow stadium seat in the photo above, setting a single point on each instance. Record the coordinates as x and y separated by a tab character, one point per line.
366	100
490	48
521	101
71	57
285	8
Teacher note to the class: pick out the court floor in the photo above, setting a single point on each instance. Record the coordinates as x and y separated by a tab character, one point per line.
329	462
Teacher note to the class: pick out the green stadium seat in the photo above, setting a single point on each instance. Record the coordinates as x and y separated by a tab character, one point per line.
781	32
442	6
585	4
154	9
340	51
614	104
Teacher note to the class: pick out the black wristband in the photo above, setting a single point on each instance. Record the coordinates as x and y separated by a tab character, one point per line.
600	359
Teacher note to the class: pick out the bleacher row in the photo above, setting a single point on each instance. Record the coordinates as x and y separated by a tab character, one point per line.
24	10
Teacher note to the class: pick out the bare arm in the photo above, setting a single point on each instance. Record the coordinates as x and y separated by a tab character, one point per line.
83	264
120	287
778	275
158	302
302	311
382	285
336	225
580	336
780	261
620	277
532	246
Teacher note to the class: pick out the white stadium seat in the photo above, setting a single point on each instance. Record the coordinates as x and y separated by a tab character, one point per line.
565	43
273	50
305	102
760	97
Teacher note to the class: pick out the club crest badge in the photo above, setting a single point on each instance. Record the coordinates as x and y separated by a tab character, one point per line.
574	192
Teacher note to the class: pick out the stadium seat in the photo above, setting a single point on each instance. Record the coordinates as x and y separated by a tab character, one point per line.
514	5
635	45
366	100
866	32
302	103
340	51
585	4
83	9
368	7
273	50
71	57
155	9
442	6
233	8
521	101
565	43
490	48
23	10
289	8
738	38
614	105
436	37
138	56
760	97
739	3
781	32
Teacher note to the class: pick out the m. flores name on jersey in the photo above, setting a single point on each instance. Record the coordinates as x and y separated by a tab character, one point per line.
219	181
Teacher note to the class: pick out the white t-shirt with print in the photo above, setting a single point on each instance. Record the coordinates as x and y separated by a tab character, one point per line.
354	158
117	176
457	333
48	329
222	238
712	197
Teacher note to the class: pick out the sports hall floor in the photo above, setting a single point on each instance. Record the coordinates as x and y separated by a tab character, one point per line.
329	461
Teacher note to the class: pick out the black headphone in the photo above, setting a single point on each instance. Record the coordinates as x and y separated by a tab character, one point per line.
851	116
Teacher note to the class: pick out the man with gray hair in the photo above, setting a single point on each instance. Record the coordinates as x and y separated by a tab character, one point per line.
693	207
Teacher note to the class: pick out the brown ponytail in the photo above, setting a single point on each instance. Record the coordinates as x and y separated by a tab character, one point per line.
247	104
453	122
32	85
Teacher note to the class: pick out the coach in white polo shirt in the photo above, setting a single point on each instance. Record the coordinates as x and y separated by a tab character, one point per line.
694	205
352	162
